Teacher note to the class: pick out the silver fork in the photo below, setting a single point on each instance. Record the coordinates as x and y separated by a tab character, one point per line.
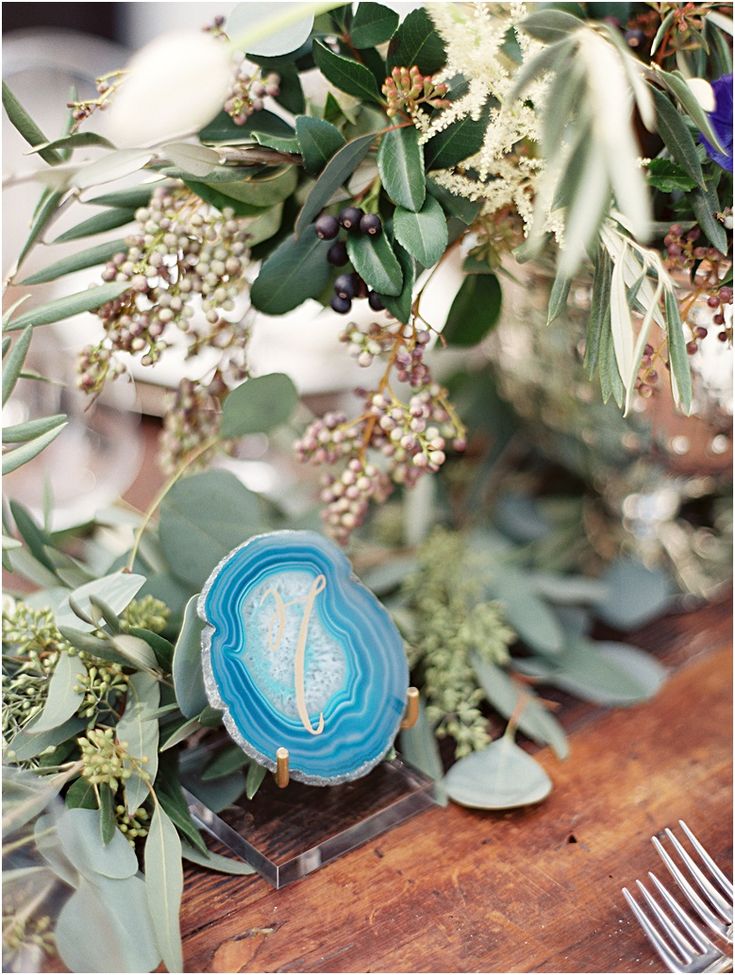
681	944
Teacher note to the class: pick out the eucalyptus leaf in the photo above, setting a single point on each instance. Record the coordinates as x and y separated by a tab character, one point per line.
635	594
529	616
64	694
376	263
217	862
14	459
120	910
139	729
347	75
196	534
187	664
318	142
81	842
26	794
116	589
136	652
164	885
342	164
69	305
295	271
171	797
29	744
258	405
182	731
230	759
254	779
47	843
501	776
401	167
418	42
474	311
266	30
505	695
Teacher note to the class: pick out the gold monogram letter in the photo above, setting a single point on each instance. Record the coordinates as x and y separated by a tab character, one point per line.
278	625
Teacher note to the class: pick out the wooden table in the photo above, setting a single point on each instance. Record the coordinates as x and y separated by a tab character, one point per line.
537	889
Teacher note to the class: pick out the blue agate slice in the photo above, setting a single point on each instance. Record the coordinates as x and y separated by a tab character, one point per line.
298	654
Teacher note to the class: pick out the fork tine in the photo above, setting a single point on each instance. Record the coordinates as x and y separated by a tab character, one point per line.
693	897
686	950
718	874
719	903
698	936
665	953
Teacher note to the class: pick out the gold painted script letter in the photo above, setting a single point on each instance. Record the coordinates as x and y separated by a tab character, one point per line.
278	625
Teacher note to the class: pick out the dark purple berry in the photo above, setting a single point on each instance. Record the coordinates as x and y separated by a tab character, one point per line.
341	305
370	224
692	347
327	227
375	302
350	218
337	254
719	319
344	286
361	289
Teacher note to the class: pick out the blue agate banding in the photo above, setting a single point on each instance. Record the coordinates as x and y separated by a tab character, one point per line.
287	596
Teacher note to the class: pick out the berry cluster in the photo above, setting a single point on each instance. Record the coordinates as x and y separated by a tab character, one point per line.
247	91
347	287
407	438
192	419
406	88
182	255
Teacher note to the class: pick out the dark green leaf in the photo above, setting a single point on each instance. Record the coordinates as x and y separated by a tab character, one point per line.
32	534
168	791
296	270
291	94
372	24
26	126
678	139
254	779
161	647
713	229
347	75
230	759
77	262
455	143
375	262
668	177
475	310
550	25
676	83
342	164
417	41
401	168
424	234
74	141
196	534
599	321
14	459
136	196
187	664
258	405
223	129
401	304
318	141
457	206
105	220
81	794
558	298
217	197
681	376
12	368
108	821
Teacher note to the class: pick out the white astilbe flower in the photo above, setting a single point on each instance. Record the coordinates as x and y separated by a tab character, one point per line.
505	171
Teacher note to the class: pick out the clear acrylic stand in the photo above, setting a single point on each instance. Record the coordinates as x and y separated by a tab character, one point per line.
288	833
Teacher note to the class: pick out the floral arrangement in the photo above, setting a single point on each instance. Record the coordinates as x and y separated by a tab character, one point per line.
593	140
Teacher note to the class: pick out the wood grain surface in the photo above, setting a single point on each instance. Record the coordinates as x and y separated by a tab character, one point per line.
538	889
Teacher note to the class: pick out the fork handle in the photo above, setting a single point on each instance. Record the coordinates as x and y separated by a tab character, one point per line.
723	964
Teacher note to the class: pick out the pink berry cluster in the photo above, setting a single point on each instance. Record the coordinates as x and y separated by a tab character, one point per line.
185	263
406	88
393	441
192	418
106	86
247	91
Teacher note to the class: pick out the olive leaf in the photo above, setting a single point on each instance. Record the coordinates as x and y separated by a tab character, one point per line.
215	861
78	261
342	164
61	308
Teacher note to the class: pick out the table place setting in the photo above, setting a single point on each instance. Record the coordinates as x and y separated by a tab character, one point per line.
367	455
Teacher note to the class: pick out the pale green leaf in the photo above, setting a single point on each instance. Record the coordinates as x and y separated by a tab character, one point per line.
66	307
164	885
217	862
139	729
81	842
14	364
258	405
78	261
14	459
501	776
187	664
64	694
116	590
